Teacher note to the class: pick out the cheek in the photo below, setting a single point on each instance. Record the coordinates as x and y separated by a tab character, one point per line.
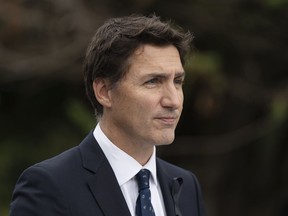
136	104
181	95
149	103
140	112
141	109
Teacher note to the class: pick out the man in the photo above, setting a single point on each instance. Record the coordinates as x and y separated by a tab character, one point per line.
133	75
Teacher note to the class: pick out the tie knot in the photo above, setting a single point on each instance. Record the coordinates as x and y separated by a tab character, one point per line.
143	179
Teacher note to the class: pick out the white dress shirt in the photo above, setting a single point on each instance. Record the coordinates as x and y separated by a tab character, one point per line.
125	168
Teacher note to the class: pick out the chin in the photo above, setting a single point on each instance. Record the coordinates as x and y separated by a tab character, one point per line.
163	144
162	137
165	141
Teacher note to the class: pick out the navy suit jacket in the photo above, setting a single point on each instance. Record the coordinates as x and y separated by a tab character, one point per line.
81	182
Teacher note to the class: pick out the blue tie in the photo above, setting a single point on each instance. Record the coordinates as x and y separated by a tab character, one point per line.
143	204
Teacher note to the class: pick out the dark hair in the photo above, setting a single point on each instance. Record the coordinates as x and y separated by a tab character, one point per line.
118	38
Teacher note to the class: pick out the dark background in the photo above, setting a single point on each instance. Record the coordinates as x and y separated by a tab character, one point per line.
234	129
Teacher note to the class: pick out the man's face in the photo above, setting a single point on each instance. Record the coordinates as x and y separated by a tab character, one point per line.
146	104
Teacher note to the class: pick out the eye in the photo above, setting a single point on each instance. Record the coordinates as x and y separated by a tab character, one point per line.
152	82
179	81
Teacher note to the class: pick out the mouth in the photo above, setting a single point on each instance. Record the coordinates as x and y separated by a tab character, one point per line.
167	120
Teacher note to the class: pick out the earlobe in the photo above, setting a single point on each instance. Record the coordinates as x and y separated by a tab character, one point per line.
101	92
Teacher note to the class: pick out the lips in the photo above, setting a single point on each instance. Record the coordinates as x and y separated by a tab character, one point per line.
168	120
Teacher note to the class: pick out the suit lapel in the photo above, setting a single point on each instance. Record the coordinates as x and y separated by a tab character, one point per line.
101	179
166	182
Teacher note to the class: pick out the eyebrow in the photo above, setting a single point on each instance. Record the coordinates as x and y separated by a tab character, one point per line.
163	74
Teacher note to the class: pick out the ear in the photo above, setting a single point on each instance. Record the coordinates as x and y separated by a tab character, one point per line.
101	89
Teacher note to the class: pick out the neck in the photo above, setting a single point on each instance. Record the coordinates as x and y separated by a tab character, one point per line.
140	152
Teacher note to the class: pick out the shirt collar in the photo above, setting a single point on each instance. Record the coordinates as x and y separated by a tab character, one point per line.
124	166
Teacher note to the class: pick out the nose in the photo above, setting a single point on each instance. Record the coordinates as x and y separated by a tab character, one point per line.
172	97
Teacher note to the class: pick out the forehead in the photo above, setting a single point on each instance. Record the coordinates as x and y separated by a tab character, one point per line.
151	58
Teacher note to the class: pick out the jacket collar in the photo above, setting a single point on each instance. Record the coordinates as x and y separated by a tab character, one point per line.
101	179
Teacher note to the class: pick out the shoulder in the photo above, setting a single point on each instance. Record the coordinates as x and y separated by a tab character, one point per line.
63	160
56	164
67	161
43	185
49	185
56	169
